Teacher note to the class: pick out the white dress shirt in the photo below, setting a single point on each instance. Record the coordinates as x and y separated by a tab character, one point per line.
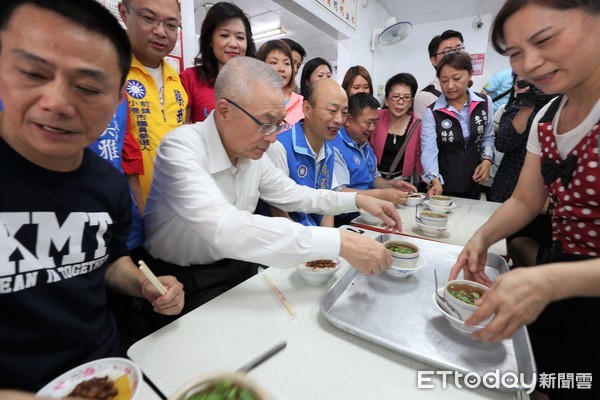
200	208
424	99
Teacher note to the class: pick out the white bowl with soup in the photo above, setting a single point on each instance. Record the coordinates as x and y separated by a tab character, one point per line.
454	322
439	200
433	218
414	199
368	218
404	254
438	208
223	385
462	294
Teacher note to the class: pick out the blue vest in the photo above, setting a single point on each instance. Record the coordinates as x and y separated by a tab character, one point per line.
362	169
303	167
457	159
110	146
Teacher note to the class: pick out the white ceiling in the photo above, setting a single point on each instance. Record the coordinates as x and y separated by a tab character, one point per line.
265	14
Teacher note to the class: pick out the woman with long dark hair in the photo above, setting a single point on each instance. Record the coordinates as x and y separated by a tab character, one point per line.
225	33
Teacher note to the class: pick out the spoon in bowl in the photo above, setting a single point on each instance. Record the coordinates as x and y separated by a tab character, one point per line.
443	303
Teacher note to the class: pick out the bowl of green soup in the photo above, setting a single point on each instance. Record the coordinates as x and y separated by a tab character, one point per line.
463	294
222	385
404	254
432	218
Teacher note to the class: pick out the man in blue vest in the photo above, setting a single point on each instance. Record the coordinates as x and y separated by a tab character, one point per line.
355	161
305	152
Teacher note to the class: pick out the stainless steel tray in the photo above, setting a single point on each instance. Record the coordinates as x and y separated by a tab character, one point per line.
399	313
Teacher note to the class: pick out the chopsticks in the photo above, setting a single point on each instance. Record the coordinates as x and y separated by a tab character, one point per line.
262	358
277	292
152	278
156	390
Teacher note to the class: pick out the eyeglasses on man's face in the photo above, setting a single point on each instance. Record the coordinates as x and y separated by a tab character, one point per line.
445	52
171	25
405	98
265	128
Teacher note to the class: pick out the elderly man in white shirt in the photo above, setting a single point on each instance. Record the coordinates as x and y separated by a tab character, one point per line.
208	178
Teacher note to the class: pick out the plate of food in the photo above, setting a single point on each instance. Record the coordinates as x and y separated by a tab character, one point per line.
107	378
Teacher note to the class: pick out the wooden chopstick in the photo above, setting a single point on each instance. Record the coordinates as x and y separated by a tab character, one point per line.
279	295
152	278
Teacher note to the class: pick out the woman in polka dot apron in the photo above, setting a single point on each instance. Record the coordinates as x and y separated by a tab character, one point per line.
552	44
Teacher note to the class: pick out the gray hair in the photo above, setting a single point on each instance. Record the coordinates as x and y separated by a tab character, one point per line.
241	75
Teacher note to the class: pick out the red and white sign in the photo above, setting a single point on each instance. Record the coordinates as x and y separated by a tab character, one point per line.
477	60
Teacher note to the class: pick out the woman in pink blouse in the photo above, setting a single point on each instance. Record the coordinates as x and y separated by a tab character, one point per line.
396	121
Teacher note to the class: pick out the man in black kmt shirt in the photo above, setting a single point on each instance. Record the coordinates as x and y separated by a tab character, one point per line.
64	212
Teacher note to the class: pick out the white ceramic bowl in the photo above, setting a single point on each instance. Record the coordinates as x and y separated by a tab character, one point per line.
455	323
112	367
438	200
403	260
433	231
317	276
369	218
464	309
404	272
415	199
433	218
438	208
239	379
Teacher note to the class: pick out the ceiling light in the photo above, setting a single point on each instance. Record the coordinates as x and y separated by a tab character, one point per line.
270	34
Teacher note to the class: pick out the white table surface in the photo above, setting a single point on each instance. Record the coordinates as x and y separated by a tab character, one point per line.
146	393
466	218
320	361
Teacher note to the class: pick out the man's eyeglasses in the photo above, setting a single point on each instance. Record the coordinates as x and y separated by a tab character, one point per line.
150	19
265	128
458	49
405	99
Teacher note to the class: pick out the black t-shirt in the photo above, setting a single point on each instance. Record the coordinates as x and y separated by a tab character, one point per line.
393	143
58	234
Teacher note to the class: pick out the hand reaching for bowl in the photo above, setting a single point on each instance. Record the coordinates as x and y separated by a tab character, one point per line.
435	188
471	261
381	209
364	254
517	298
395	196
404	186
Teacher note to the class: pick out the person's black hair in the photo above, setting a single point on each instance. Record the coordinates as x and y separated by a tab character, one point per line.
88	14
434	44
309	68
403	78
205	61
295	46
359	101
510	7
459	61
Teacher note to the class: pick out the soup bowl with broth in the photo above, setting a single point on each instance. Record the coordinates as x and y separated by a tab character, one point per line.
462	294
